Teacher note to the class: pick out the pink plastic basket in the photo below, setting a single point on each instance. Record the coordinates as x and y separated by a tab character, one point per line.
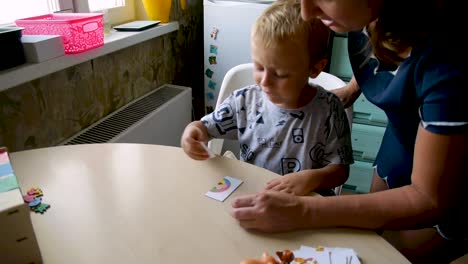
80	31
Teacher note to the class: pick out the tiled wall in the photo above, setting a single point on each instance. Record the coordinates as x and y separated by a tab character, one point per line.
48	110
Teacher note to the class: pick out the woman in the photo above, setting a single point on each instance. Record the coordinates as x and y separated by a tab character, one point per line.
407	61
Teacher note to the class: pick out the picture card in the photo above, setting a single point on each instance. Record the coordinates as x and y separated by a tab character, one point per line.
311	255
224	188
210	152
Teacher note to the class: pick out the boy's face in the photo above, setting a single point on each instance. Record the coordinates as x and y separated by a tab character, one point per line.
281	71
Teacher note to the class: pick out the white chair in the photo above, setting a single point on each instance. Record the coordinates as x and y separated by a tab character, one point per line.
242	75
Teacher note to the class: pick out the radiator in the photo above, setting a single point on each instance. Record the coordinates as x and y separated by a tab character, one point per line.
158	117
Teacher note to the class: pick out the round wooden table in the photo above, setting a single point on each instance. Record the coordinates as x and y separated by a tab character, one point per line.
132	203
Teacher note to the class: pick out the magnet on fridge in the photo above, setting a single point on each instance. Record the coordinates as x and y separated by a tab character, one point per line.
209	109
211	85
209	73
212	59
214	49
214	33
210	96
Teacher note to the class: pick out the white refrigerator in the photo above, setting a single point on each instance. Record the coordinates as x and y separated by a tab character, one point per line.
227	26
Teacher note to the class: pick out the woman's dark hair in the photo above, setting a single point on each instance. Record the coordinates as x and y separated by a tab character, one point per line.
404	24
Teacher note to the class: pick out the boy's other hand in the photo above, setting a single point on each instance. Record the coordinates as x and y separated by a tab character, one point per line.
297	183
195	134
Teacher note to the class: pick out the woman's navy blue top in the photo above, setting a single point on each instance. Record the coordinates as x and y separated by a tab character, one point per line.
429	88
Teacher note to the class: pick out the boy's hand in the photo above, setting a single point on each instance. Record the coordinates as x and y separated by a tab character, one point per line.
195	134
297	183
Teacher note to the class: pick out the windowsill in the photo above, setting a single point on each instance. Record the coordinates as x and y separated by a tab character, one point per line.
112	42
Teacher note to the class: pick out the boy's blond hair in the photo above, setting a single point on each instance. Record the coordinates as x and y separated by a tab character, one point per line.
282	21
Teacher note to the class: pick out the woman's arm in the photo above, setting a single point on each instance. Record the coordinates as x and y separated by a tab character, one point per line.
437	187
349	93
438	184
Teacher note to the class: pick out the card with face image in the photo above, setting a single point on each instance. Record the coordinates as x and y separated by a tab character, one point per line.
224	188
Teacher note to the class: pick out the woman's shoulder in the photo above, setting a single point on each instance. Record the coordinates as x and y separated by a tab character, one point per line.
440	62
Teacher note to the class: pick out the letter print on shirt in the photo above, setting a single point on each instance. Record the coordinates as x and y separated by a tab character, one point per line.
318	155
224	119
299	115
340	119
246	153
345	152
289	165
269	143
297	135
283	115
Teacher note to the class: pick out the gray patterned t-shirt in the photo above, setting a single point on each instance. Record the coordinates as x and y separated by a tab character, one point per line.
284	140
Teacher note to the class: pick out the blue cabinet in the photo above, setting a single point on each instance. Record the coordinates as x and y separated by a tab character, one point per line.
369	123
366	140
364	112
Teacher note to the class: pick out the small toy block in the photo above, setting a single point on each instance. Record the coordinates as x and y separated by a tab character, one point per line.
41	208
35	191
35	202
28	198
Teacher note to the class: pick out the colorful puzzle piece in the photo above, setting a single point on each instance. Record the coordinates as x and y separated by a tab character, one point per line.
34	200
37	201
35	191
28	198
41	208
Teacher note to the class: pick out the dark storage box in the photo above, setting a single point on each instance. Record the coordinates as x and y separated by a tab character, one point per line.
12	53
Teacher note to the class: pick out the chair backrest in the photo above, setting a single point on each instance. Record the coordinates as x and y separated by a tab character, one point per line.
242	75
237	77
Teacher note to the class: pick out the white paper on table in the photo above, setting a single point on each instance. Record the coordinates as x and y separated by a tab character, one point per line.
223	188
325	255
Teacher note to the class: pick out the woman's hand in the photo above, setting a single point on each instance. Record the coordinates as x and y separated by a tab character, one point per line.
195	134
270	211
349	93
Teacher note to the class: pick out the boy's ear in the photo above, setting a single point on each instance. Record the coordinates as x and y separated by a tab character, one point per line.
318	67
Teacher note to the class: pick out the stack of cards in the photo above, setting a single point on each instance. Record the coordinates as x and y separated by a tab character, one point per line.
223	188
324	255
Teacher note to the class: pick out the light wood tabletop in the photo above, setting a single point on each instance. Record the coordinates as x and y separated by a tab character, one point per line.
132	203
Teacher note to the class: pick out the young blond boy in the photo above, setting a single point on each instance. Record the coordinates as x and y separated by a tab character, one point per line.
283	123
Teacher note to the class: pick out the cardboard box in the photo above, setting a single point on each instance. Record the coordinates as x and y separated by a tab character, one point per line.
39	48
18	243
11	53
